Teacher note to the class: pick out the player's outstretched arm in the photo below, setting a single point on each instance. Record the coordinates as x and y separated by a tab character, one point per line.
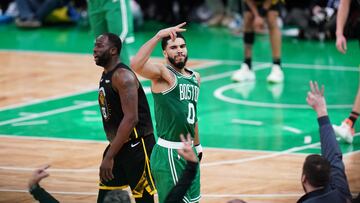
140	62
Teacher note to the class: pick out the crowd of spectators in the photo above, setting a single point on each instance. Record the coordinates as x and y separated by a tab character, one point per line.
311	19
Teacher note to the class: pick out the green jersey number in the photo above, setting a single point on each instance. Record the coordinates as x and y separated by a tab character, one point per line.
191	114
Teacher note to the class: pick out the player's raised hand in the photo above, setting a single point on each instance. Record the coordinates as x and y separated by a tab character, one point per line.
187	152
171	31
315	99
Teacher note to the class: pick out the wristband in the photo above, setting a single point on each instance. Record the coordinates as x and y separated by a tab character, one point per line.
198	148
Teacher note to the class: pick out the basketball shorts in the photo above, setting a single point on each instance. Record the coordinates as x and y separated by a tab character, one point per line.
167	167
131	167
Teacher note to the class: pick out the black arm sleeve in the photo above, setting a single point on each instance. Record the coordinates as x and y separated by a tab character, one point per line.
178	192
42	196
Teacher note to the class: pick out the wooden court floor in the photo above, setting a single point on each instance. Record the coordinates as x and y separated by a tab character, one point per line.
255	176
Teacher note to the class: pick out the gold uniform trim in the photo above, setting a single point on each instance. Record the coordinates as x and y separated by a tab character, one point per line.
143	182
104	187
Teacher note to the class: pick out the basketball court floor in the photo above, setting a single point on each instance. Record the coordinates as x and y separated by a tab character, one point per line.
255	135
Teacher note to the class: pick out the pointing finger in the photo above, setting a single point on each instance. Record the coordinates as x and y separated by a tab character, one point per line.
180	25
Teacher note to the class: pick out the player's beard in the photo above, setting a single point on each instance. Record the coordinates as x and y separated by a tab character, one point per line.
103	59
179	65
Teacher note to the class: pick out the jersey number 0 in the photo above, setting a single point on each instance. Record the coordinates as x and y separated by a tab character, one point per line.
191	114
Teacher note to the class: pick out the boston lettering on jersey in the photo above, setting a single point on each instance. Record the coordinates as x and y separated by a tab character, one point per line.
188	92
176	108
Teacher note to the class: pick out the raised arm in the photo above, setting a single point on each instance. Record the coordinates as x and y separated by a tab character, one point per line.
330	149
140	62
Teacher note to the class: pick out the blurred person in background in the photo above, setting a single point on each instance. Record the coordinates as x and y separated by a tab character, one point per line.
223	12
114	16
32	13
256	14
346	129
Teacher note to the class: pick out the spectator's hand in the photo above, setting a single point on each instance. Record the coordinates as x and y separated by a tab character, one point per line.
106	169
259	23
315	99
38	175
341	43
171	31
187	152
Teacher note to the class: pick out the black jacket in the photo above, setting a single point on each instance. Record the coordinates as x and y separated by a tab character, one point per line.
338	189
41	195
